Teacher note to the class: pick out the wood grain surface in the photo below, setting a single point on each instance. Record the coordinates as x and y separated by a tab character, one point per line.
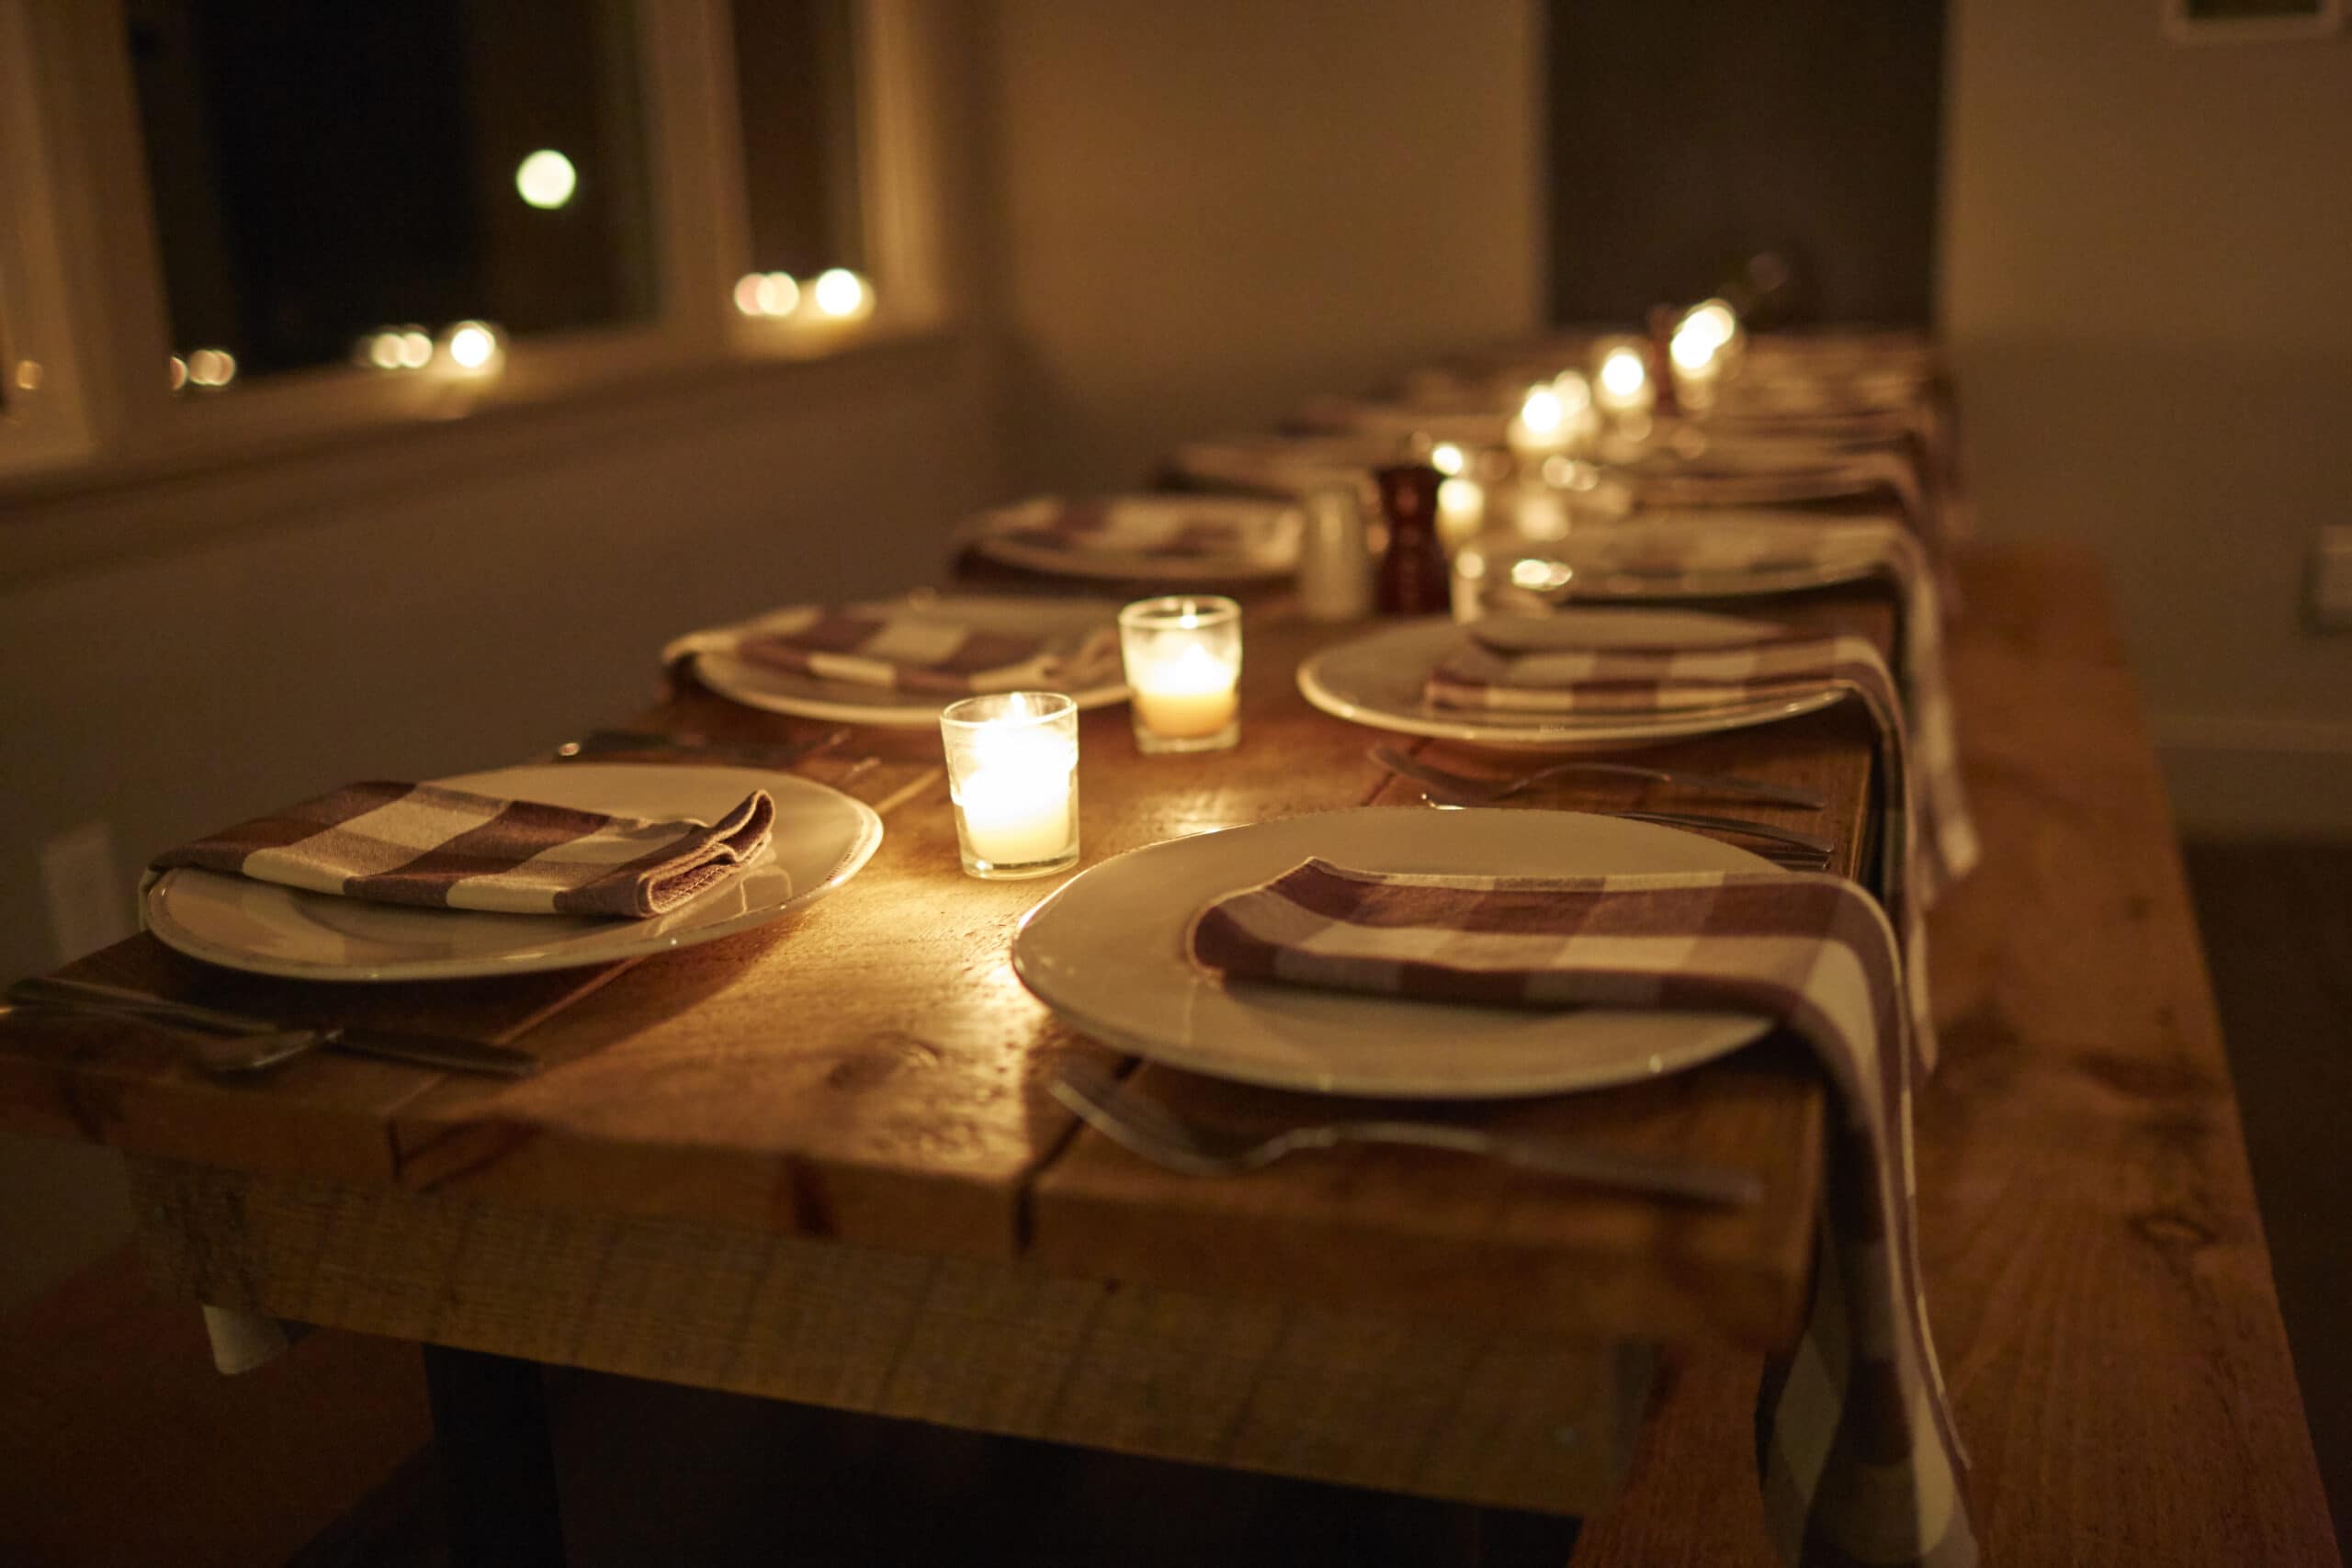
872	1071
2097	1274
1514	1418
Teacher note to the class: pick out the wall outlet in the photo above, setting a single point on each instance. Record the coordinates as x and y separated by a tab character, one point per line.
88	905
2330	606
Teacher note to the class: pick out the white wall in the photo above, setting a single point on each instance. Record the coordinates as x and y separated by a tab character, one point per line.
2148	287
1214	209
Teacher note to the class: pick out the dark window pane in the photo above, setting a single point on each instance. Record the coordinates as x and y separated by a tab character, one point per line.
321	171
796	71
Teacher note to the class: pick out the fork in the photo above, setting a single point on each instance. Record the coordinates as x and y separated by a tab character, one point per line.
1143	1126
1785	846
1465	787
747	753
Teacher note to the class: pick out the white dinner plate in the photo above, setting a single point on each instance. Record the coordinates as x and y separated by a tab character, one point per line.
1812	551
1377	680
822	837
844	701
1009	535
1281	464
1106	953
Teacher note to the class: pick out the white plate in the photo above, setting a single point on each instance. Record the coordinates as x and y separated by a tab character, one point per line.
820	839
993	535
843	701
1288	465
1106	953
1377	680
1834	550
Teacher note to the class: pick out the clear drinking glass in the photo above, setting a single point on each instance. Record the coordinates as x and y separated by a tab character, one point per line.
1012	773
1183	664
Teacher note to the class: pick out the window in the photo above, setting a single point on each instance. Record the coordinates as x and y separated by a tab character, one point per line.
226	223
323	174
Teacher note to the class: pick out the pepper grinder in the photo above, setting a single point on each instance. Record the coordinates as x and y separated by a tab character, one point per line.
1414	579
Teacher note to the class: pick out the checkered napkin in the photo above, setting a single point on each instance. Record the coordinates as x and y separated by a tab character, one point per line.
1658	558
1157	528
912	647
1746	472
1858	1459
423	844
1529	665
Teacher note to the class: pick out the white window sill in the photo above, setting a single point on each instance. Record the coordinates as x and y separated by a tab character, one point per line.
76	515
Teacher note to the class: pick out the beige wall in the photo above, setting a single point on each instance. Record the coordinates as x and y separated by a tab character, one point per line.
2148	287
1214	209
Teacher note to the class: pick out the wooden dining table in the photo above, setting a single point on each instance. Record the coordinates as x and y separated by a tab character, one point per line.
818	1161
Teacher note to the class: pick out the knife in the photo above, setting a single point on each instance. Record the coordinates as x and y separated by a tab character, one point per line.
447	1052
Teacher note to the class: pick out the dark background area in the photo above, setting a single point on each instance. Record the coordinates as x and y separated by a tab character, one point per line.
1686	137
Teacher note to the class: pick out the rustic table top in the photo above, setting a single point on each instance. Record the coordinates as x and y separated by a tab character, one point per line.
871	1071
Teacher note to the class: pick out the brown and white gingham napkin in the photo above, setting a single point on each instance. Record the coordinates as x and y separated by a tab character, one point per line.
1527	664
1661	557
1859	1459
1758	471
1172	527
915	648
450	849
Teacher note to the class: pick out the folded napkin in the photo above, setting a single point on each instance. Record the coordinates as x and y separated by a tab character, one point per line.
1174	527
1655	556
423	844
916	647
1860	1462
1527	664
1753	469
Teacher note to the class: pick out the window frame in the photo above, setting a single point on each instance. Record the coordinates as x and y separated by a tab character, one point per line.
82	287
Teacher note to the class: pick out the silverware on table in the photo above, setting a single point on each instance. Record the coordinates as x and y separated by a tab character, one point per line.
231	1043
1137	1122
1782	846
1466	785
601	743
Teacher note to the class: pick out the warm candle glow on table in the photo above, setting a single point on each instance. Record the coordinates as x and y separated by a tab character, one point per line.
1461	508
1183	664
1553	416
1623	384
1012	775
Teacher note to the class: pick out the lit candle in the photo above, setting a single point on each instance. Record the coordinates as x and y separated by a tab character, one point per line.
1461	507
1012	774
1623	384
1183	664
1186	697
1703	342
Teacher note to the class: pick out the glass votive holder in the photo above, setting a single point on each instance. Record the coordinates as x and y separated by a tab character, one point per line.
1183	664
1012	773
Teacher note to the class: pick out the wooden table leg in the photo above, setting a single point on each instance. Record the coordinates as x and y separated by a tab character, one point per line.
489	1433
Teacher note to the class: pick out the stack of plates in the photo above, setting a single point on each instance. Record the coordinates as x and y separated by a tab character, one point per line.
1143	538
1378	681
846	702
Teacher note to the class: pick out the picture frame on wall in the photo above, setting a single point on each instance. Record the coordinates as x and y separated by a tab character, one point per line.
2251	21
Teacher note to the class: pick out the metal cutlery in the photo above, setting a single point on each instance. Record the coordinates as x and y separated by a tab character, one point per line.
1786	847
1137	1122
687	743
1466	785
233	1042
